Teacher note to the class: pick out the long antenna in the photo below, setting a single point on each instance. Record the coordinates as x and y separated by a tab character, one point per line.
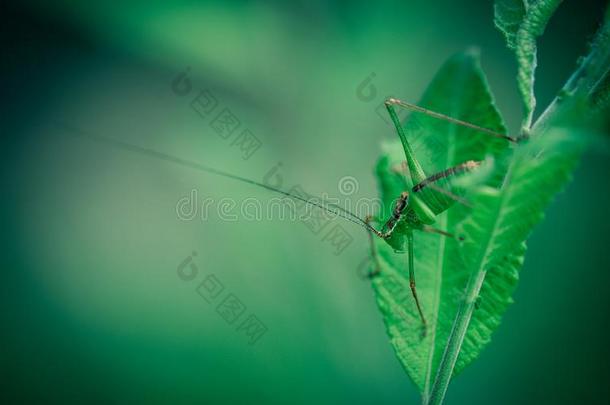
336	210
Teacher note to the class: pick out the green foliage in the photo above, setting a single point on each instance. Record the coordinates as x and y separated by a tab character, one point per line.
460	90
521	22
595	77
495	231
466	286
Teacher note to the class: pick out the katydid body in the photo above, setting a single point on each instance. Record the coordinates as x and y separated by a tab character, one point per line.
417	207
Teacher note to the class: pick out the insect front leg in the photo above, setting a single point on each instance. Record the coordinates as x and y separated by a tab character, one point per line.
412	286
390	225
386	233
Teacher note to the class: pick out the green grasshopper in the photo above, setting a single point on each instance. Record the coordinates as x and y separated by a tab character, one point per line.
417	207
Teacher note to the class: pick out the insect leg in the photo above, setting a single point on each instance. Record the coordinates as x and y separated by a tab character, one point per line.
430	229
391	226
434	114
402	171
374	257
431	180
412	279
462	167
451	195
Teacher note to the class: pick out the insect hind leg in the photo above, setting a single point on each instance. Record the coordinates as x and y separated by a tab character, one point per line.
411	265
412	286
429	229
430	181
413	107
462	167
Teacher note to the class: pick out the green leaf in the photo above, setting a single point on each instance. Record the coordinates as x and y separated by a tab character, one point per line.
502	218
522	22
495	232
584	100
600	94
595	78
465	287
459	90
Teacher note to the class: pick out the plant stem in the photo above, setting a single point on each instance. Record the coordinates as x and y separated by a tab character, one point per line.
454	344
591	70
589	73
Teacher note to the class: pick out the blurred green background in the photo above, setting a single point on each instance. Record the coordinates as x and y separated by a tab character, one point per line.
92	306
